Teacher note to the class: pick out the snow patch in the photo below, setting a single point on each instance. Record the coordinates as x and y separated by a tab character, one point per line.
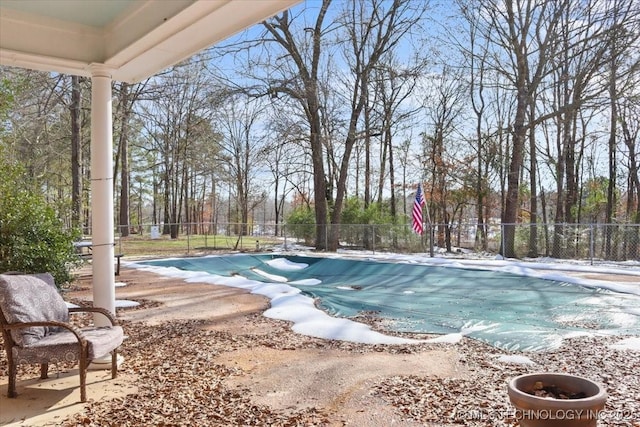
632	343
123	303
515	359
285	264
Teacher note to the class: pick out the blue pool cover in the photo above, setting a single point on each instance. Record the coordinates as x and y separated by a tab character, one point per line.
505	310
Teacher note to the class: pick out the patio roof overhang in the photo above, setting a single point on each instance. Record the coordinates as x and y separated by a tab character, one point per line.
134	39
124	40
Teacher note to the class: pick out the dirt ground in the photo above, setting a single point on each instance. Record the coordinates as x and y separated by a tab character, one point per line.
329	378
201	354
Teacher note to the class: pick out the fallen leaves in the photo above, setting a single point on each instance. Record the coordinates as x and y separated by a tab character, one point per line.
179	384
481	399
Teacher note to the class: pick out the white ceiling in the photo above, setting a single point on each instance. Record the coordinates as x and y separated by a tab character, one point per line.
133	39
94	13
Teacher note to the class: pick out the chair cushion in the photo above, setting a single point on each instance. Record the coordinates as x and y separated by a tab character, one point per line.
63	346
31	298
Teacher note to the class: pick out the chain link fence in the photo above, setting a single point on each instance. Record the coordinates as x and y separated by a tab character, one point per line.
593	242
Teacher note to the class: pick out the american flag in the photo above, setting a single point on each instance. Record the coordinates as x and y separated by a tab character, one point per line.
418	203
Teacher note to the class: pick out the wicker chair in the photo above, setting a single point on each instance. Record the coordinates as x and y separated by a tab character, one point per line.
35	326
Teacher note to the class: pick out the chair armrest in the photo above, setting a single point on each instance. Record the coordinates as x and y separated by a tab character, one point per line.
104	312
74	329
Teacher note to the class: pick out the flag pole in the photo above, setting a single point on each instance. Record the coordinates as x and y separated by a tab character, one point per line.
429	228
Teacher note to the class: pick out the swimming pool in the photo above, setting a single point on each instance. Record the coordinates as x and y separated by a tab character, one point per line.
506	310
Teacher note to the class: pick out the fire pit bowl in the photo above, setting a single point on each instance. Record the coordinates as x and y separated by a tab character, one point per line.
556	400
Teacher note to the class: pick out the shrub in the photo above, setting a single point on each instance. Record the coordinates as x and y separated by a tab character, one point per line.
32	237
301	224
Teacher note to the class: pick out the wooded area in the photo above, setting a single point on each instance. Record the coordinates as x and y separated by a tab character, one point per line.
523	110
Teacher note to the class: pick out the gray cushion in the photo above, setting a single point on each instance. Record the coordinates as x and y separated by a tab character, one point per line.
31	298
63	346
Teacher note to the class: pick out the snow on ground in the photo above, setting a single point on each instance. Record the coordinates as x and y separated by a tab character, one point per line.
515	359
287	302
632	343
125	303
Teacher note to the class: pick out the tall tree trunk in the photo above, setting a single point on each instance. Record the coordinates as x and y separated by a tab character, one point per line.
309	99
76	153
367	154
319	183
512	202
558	229
533	166
392	179
367	238
633	183
124	160
611	187
530	39
476	92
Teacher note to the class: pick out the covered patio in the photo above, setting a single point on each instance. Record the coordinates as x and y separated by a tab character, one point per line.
122	40
203	354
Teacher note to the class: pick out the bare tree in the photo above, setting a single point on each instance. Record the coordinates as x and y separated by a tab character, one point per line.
630	125
522	36
124	109
240	148
475	51
374	30
302	86
290	59
624	19
444	106
394	84
284	157
175	121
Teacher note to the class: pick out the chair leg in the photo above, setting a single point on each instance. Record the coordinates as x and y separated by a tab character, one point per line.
114	363
83	377
44	371
11	392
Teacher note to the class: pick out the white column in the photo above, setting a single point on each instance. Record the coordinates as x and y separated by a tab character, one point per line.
102	227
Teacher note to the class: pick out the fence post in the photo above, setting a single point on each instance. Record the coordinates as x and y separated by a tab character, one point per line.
373	238
120	244
326	237
431	239
502	239
591	243
284	232
188	238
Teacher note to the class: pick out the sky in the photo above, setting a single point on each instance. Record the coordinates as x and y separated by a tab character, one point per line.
289	304
442	24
